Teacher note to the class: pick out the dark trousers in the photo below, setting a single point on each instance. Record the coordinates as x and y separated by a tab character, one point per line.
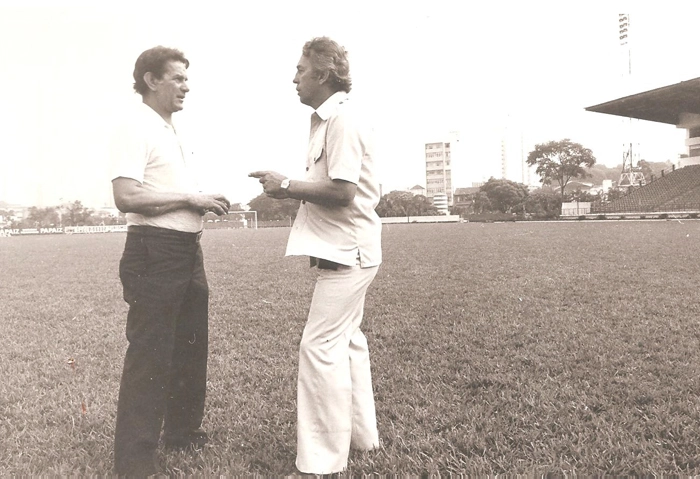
164	378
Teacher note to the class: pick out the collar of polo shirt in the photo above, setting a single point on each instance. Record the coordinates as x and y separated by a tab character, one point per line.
328	107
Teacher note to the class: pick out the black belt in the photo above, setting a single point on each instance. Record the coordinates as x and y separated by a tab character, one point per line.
323	263
154	231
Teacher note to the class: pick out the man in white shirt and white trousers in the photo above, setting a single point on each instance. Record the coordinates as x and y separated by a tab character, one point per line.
337	227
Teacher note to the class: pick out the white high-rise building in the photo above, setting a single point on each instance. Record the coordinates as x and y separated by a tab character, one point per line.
438	170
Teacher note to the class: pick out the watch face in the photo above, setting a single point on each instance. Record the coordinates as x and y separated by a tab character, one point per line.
285	183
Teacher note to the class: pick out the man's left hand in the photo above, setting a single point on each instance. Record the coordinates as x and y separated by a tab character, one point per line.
271	181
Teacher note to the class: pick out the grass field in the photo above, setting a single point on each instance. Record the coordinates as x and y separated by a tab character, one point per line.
523	348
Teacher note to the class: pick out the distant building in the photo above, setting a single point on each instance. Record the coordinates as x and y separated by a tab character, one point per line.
18	212
465	194
574	185
575	208
464	197
438	171
440	202
417	190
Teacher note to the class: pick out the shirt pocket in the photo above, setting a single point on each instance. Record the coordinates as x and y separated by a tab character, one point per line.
315	151
316	167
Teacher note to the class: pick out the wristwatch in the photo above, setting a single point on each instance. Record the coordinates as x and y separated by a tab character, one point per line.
285	184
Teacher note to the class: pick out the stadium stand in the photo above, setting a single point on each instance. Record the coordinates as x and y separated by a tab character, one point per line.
678	190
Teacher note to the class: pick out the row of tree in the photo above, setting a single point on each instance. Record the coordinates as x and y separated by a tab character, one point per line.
496	195
68	214
557	162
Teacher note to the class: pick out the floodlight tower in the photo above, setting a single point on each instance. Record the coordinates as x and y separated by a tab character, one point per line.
631	175
504	158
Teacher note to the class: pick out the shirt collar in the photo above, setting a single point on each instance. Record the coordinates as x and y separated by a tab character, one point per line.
328	107
153	116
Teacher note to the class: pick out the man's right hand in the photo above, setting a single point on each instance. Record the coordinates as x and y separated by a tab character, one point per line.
131	197
216	203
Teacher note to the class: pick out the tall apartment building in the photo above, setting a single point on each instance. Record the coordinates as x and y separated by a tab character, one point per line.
438	170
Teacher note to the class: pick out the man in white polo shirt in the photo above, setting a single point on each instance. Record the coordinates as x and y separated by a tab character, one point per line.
162	271
337	227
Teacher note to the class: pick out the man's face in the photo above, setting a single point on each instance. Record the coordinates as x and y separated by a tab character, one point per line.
172	87
307	81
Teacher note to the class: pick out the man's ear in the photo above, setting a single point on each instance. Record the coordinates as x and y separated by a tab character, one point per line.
323	78
150	80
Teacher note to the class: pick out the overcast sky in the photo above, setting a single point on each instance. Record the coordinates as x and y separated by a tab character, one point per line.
523	71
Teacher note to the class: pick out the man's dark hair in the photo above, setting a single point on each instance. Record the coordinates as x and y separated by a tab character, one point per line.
155	60
327	56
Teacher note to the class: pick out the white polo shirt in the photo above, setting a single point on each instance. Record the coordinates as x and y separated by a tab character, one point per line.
148	150
340	148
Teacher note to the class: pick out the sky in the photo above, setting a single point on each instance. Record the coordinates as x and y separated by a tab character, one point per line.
498	73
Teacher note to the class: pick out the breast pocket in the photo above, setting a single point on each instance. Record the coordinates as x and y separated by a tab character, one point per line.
316	149
317	167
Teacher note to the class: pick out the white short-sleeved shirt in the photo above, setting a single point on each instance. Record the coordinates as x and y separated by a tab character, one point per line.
148	150
340	148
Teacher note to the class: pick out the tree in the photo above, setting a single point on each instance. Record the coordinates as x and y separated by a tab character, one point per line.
542	204
504	195
613	194
561	161
481	203
270	209
75	214
40	218
646	169
404	203
420	205
394	203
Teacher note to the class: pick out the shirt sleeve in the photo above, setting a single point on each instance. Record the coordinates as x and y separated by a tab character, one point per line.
128	154
344	149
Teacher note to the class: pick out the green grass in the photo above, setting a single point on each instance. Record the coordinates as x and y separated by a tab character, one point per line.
519	348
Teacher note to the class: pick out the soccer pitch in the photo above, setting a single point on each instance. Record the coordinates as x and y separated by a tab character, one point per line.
508	348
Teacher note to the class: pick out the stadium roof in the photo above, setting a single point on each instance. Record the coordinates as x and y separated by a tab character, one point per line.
663	105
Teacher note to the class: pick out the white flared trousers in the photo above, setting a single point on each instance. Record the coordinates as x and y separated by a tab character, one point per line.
335	402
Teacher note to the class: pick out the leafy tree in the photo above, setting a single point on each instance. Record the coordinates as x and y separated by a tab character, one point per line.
481	203
614	194
420	205
40	218
461	210
599	173
561	161
271	209
543	204
646	169
404	203
394	203
75	214
504	195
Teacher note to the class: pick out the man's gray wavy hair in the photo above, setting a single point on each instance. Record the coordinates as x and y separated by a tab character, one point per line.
327	56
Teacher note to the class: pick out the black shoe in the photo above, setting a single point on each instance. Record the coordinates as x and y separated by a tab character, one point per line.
192	439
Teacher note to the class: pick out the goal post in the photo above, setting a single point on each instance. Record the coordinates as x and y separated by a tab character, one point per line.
246	219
